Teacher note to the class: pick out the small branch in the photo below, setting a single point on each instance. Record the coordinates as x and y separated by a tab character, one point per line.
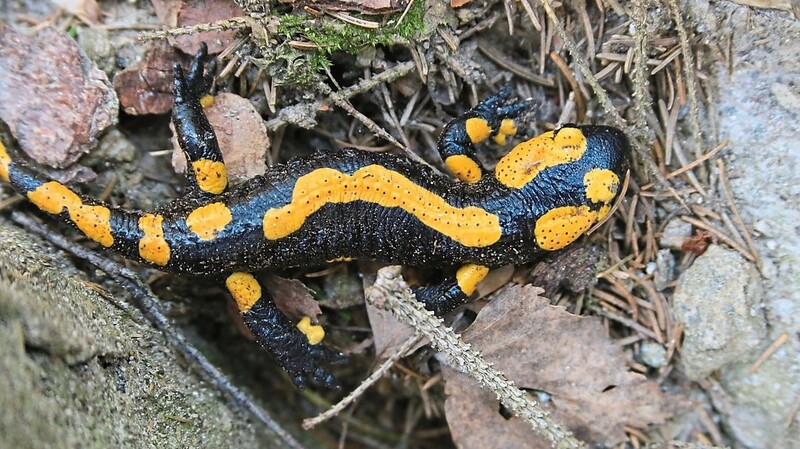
691	79
642	100
391	293
234	23
358	392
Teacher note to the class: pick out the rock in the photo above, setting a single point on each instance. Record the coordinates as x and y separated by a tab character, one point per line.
78	372
675	233
756	403
718	299
55	99
665	269
653	354
755	100
241	134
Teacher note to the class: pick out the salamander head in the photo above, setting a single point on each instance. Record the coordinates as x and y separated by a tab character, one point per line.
574	175
606	148
583	147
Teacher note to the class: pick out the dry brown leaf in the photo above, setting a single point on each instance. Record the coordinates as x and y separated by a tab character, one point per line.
459	3
545	348
54	99
292	297
146	88
388	332
184	13
242	137
89	10
495	280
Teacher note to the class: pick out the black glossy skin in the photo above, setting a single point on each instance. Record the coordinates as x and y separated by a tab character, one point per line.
366	230
343	230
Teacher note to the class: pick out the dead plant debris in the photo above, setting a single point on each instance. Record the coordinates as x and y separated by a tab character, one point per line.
579	373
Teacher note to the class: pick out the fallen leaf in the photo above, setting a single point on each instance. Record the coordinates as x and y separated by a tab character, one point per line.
388	332
55	100
494	281
292	297
89	10
146	88
242	137
566	357
184	13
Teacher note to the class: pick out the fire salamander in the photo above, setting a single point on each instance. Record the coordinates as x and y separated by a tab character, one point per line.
351	204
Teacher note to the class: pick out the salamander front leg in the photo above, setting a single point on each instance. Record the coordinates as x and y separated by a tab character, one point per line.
452	292
493	117
296	348
205	169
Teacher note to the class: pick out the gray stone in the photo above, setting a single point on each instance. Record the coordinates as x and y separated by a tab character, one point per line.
675	233
78	372
757	401
718	299
653	354
665	269
758	112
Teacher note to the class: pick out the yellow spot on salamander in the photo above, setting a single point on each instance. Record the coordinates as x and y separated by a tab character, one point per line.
212	176
602	212
206	101
563	225
524	163
469	276
477	129
5	160
601	185
153	247
313	332
94	221
245	289
471	226
209	220
463	167
500	139
507	128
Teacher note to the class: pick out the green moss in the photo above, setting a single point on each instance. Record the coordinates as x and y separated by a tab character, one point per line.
331	35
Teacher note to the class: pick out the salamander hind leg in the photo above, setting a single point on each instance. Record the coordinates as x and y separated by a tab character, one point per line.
205	168
494	117
297	348
453	291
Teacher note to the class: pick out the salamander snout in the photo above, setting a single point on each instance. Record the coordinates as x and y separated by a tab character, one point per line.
607	147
